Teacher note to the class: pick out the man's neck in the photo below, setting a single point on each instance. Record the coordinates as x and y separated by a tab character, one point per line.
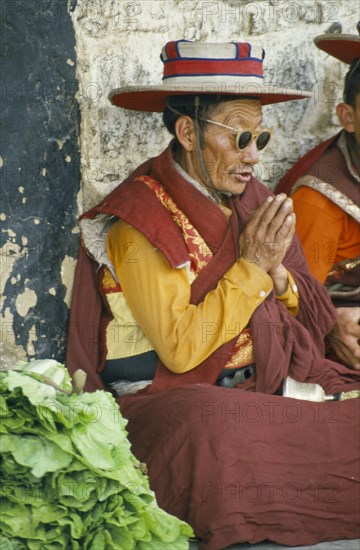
354	151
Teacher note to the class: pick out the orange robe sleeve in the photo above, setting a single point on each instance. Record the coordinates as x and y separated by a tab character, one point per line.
328	235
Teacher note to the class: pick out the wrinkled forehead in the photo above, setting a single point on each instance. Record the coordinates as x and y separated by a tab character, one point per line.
242	108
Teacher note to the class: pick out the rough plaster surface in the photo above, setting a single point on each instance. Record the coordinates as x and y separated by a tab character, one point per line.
39	176
119	43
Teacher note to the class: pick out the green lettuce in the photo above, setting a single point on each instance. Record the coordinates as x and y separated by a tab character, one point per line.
69	478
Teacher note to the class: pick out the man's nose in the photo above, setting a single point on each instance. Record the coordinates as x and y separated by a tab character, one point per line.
251	154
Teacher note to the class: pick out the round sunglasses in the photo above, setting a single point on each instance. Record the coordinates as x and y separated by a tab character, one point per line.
244	137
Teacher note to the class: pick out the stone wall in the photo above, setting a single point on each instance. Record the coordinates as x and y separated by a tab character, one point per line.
118	43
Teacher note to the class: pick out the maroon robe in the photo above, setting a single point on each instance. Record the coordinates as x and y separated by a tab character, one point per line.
238	465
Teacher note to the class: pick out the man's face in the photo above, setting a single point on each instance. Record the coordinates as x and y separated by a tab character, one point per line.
349	117
357	119
229	168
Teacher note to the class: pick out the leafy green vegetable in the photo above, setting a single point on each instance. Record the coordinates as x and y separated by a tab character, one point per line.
69	479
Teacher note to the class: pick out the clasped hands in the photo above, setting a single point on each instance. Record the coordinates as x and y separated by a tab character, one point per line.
265	241
267	237
345	336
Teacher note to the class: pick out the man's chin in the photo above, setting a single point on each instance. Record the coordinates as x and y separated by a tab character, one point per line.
232	188
238	189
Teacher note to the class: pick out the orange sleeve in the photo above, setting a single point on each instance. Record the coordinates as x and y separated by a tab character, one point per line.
318	224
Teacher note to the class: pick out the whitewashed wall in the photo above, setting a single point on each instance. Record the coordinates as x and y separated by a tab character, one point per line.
119	43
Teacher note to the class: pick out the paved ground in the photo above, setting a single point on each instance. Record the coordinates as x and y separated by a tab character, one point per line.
336	545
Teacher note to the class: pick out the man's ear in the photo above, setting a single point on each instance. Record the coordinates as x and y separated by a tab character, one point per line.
346	116
185	132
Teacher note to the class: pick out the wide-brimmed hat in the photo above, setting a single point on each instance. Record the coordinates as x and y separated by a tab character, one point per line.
344	47
194	68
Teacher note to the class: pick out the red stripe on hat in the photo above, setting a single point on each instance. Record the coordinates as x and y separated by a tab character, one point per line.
212	67
171	50
244	49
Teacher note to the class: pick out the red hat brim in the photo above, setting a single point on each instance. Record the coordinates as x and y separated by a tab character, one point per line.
154	98
344	47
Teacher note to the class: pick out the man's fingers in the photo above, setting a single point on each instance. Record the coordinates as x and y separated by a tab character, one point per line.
272	217
352	344
354	330
345	351
286	230
278	217
263	216
345	354
349	331
257	215
270	231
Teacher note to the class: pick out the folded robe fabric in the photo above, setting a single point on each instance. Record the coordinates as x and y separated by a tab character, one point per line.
247	467
213	452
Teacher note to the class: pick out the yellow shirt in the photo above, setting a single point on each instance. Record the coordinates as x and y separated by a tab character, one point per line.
158	295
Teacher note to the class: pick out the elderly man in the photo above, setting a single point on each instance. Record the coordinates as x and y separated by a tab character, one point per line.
325	187
199	291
